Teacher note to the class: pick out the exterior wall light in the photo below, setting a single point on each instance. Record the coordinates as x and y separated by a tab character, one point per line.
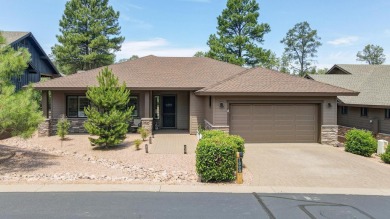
329	105
221	105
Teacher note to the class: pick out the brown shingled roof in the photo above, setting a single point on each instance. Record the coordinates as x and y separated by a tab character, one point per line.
153	72
260	81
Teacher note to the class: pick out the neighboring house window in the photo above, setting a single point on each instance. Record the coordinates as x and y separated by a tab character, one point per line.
344	110
134	102
363	111
75	106
156	107
387	113
210	101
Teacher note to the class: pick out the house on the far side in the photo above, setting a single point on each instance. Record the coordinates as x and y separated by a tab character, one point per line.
261	105
369	110
39	66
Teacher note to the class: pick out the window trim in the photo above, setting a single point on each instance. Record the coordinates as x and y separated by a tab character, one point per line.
362	110
387	113
138	109
155	111
344	110
78	106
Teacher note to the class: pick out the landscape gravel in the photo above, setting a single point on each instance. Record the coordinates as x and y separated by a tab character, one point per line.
48	160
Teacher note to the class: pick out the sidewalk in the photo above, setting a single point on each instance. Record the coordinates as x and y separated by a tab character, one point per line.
189	188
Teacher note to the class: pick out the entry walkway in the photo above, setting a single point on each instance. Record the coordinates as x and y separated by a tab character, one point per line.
172	142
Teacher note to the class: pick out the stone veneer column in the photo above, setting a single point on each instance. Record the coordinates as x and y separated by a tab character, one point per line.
44	128
329	134
147	123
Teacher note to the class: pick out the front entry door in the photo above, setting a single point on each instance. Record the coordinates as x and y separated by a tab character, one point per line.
169	111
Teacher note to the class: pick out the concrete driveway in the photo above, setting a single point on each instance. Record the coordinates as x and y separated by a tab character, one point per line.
313	165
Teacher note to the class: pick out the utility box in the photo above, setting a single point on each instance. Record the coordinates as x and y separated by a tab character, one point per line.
382	144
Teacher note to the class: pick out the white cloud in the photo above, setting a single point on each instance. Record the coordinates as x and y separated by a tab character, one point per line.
349	40
156	46
137	23
133	6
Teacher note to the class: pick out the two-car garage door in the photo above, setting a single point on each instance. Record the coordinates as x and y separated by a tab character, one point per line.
275	123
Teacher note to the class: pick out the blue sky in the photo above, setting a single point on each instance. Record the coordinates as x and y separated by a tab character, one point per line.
182	27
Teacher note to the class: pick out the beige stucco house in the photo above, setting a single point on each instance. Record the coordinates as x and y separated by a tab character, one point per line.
259	104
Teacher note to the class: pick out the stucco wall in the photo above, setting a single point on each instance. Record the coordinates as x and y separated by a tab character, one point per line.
208	110
196	112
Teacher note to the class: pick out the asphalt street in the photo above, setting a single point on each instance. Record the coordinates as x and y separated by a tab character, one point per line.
190	205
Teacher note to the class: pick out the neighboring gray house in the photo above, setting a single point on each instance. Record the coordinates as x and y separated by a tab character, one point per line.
39	66
259	104
369	110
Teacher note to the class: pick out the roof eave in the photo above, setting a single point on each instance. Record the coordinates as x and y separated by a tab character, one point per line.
311	94
363	105
131	88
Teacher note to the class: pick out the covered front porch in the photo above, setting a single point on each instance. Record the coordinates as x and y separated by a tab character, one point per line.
156	109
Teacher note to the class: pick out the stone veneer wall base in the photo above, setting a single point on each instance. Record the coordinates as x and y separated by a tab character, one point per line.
147	123
329	134
49	127
44	128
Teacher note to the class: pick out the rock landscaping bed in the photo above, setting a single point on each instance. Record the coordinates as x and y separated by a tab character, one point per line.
46	160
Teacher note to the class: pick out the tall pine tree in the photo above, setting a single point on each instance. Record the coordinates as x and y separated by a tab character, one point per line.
239	35
301	44
89	36
109	114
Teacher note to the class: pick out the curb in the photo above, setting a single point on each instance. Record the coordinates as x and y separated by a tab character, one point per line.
188	188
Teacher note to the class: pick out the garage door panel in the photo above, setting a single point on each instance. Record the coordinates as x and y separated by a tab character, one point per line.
275	122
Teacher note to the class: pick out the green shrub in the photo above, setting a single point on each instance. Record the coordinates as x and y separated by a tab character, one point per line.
137	143
386	156
237	141
215	160
360	142
143	132
63	126
213	133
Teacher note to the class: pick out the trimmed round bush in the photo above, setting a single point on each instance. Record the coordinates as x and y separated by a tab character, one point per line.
360	142
237	141
215	160
213	133
218	135
386	156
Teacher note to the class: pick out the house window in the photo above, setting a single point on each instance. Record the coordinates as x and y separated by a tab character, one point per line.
210	101
344	110
75	106
156	105
134	102
387	113
363	111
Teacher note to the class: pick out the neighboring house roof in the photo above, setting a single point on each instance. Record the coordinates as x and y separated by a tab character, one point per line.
13	37
261	81
151	72
372	81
